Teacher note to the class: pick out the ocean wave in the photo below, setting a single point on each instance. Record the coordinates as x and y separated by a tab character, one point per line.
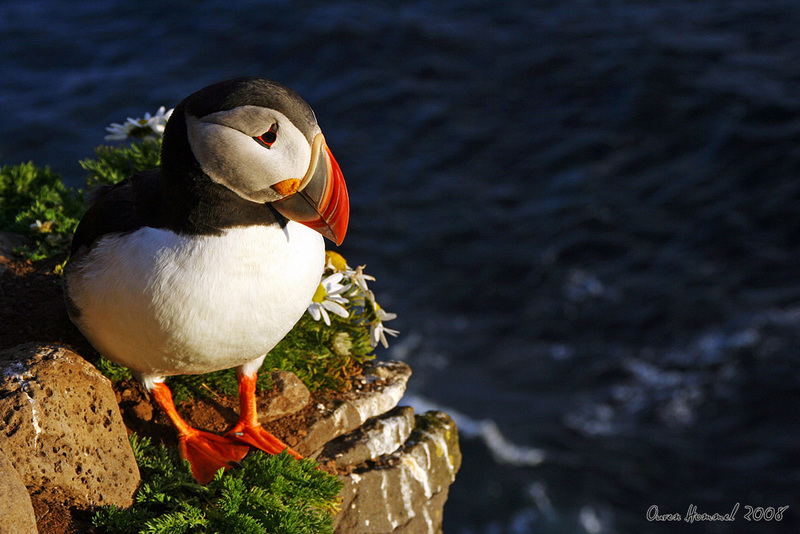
502	450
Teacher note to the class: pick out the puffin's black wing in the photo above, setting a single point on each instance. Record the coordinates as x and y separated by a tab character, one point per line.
127	206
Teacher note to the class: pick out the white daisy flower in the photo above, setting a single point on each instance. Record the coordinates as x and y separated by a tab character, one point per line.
147	127
360	280
357	290
335	262
117	132
328	298
377	331
159	120
43	227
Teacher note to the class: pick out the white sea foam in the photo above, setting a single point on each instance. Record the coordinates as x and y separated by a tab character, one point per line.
502	450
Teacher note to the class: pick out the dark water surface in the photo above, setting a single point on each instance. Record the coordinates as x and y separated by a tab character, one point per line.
585	213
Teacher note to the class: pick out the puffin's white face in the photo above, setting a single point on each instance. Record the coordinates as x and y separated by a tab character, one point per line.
249	149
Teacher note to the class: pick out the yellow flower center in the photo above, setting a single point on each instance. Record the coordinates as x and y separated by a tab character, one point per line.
319	294
336	259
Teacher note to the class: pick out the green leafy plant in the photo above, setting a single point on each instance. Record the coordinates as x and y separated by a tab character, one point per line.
35	202
269	494
115	163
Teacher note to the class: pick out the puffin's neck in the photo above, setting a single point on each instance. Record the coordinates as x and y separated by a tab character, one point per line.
203	206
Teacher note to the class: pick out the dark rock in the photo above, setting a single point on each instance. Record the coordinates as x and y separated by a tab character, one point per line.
378	436
62	428
385	385
17	511
404	492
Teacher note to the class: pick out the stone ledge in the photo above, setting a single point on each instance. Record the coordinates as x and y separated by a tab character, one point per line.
404	492
387	384
378	436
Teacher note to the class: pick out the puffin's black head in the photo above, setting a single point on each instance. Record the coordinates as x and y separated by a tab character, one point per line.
253	91
260	140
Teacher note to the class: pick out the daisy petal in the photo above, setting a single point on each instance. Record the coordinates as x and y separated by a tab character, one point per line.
325	316
335	307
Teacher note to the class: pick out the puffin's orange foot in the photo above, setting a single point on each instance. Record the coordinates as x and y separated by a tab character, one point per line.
259	438
208	453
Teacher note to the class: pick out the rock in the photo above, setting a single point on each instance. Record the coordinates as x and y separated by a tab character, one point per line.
62	429
378	436
289	395
143	411
17	516
404	492
385	386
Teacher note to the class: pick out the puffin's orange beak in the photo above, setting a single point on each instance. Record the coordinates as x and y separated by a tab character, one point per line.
320	199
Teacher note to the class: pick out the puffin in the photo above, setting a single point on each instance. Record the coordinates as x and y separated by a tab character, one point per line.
208	261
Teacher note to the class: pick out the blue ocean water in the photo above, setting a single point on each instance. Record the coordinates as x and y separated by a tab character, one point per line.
585	213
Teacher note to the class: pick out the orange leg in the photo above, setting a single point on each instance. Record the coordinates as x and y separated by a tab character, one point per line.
207	453
248	429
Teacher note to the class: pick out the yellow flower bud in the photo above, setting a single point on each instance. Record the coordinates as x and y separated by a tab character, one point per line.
336	260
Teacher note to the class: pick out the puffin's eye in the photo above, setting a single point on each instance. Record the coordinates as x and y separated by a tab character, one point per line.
268	138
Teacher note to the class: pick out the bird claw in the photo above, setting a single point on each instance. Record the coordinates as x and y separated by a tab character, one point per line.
208	453
256	436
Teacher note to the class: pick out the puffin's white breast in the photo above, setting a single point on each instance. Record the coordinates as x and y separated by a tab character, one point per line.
162	303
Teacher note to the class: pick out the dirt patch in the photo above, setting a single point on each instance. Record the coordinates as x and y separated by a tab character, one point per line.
32	308
53	516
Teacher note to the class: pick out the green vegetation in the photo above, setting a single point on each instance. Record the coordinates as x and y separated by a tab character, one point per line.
269	494
114	164
35	202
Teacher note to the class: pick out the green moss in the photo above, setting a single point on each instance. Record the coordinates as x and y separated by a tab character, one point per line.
269	494
322	356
